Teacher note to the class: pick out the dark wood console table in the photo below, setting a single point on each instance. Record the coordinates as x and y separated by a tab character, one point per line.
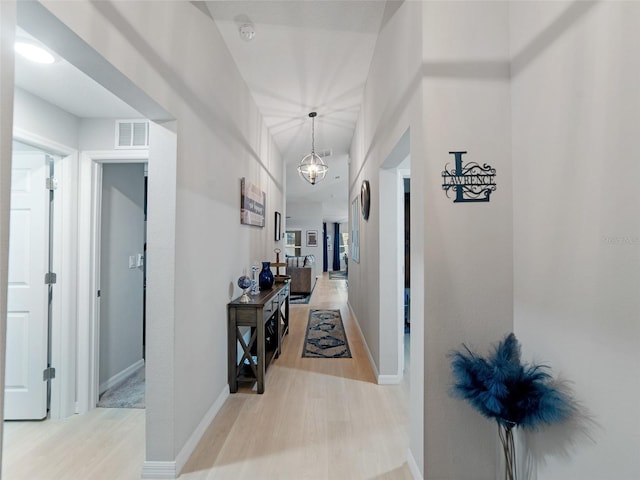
268	305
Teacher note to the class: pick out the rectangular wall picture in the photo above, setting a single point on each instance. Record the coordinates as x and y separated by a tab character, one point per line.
278	227
355	230
312	238
252	204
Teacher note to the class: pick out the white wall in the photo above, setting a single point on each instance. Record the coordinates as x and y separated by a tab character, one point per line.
450	88
7	35
311	212
468	246
97	134
38	117
220	138
121	287
576	124
392	105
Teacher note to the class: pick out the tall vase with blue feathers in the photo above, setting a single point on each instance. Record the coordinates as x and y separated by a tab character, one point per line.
513	394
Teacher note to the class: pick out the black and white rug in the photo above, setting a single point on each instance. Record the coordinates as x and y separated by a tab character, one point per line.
127	394
338	275
325	337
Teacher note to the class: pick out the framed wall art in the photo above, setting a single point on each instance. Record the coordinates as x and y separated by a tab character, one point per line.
312	238
278	227
252	204
355	230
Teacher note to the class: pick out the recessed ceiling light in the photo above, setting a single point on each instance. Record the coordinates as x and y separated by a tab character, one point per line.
34	53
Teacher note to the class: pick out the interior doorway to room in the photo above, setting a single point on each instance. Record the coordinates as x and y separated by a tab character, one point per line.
31	284
407	271
394	262
121	276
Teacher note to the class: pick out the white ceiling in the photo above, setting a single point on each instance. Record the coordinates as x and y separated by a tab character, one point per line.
65	86
306	56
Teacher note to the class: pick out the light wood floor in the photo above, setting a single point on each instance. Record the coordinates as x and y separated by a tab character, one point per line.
318	419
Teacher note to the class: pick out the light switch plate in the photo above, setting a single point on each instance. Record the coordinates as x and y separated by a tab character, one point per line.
132	261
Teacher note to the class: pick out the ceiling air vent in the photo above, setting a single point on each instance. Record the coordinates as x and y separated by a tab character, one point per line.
132	134
325	153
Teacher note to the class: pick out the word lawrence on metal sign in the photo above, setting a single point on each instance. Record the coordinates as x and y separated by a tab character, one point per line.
471	182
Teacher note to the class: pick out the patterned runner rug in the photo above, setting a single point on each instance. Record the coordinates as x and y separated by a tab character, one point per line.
325	337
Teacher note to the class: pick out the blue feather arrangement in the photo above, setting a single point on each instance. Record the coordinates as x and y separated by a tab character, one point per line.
501	387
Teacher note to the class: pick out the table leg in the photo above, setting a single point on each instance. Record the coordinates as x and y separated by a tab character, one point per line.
261	348
233	352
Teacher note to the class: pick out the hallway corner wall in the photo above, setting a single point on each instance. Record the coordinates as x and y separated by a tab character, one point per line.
455	98
392	105
468	257
576	124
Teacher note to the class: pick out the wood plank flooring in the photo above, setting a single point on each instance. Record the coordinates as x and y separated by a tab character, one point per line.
318	419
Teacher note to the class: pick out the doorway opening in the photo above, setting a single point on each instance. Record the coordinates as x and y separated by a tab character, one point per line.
394	263
121	277
407	271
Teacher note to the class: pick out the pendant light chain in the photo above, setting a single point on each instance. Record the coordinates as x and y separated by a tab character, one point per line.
313	135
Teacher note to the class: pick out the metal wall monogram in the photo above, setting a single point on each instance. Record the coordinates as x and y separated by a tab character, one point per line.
471	181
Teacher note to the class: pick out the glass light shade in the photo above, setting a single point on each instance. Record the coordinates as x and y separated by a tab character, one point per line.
312	168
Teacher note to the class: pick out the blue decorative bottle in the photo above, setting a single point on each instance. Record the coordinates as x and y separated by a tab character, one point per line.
265	279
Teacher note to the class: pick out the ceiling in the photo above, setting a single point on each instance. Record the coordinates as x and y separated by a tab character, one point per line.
67	87
305	56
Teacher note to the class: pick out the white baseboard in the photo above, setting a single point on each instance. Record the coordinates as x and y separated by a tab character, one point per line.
197	434
380	379
413	467
159	470
374	368
389	379
171	470
120	376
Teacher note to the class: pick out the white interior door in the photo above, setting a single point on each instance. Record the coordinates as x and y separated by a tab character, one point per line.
26	355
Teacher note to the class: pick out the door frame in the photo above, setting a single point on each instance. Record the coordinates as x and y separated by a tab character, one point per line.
391	176
89	218
64	264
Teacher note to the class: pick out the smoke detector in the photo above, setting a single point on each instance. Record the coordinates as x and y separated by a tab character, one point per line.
247	32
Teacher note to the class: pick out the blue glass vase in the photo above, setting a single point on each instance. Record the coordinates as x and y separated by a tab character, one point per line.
265	279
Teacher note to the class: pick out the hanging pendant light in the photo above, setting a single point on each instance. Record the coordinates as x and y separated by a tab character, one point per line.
312	168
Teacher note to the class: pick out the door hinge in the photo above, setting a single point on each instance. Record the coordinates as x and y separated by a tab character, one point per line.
49	374
51	183
50	278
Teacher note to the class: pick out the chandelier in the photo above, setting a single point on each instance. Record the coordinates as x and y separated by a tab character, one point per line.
312	168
